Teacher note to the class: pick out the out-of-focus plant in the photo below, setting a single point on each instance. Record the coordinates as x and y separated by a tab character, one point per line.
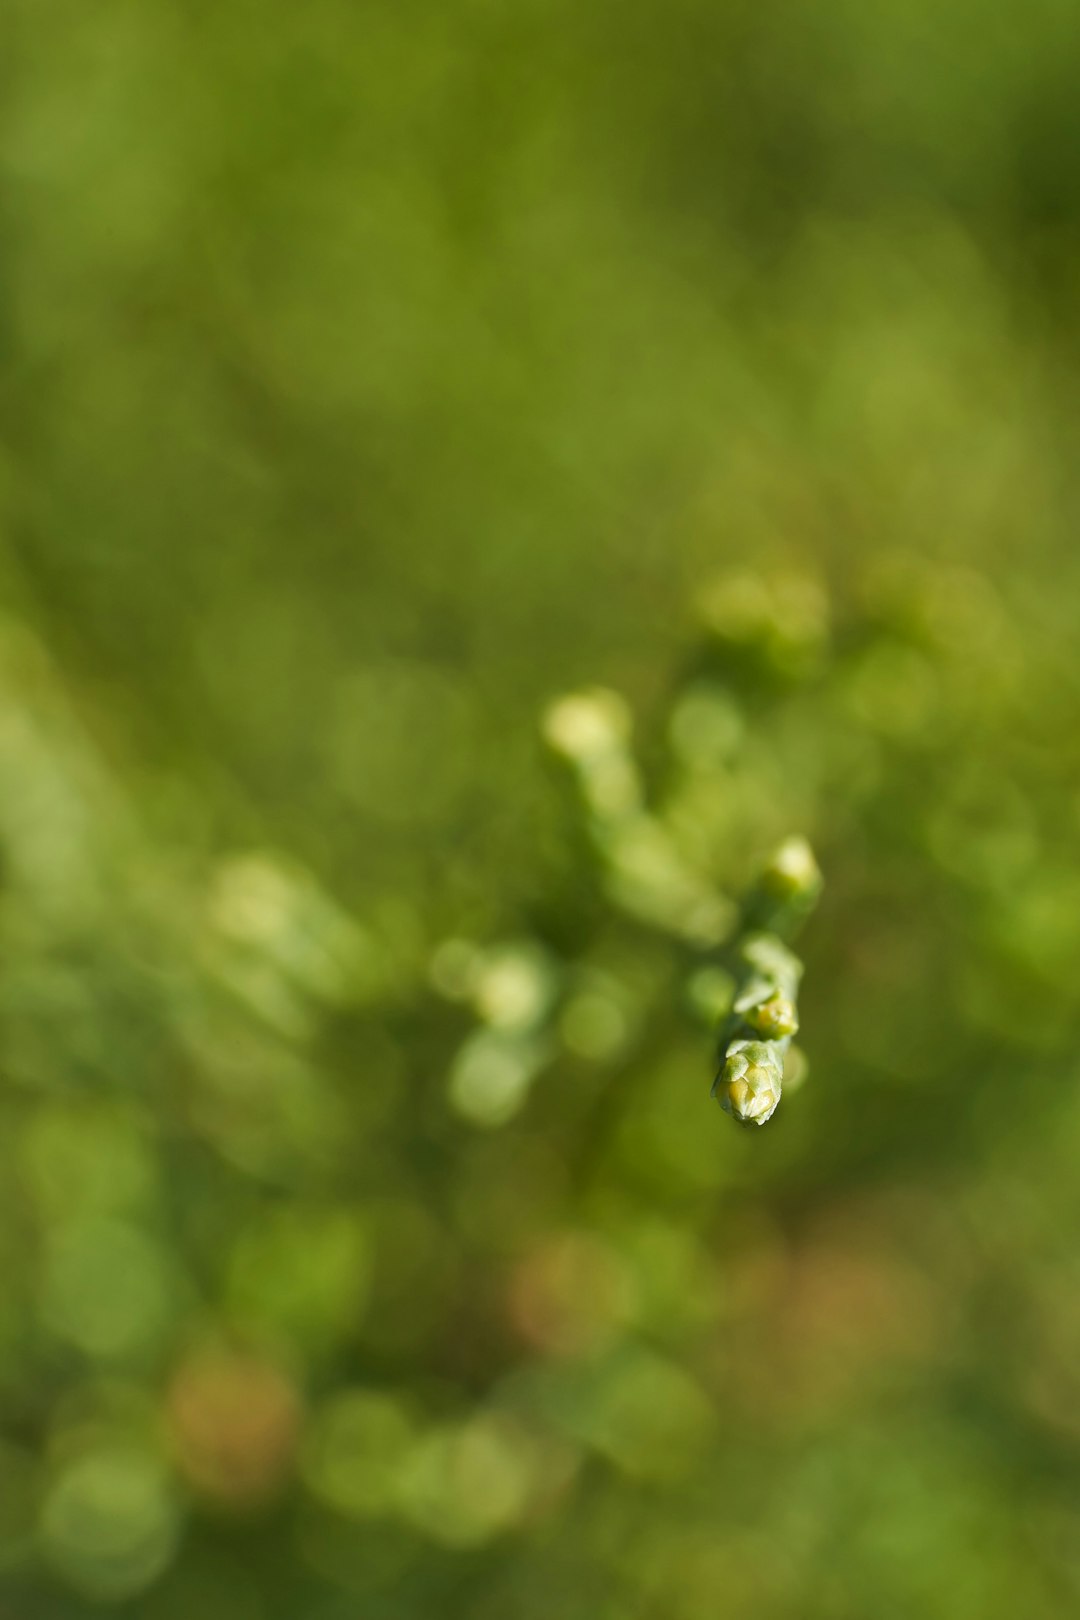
649	874
415	1241
369	1244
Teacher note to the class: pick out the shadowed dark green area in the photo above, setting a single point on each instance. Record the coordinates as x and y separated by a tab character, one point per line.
371	379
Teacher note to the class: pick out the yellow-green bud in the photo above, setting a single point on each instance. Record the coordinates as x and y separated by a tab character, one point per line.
792	873
748	1086
774	1018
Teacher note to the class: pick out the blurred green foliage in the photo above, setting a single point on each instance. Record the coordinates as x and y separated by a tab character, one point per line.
374	378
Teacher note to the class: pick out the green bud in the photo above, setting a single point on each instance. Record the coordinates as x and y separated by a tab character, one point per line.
792	872
764	1003
773	1018
772	964
787	889
585	726
748	1086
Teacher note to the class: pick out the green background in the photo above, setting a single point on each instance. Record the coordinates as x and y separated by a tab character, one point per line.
371	376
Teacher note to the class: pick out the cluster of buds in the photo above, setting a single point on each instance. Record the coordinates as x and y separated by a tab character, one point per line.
651	874
756	1037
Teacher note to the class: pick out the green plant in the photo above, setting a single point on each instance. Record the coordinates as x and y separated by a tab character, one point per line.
756	1039
648	874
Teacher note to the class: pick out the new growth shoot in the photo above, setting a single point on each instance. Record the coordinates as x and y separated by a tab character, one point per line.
755	1045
